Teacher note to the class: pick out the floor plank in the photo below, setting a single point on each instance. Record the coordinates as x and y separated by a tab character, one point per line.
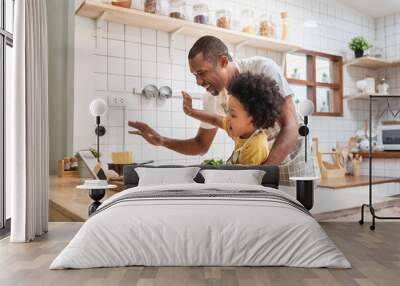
375	257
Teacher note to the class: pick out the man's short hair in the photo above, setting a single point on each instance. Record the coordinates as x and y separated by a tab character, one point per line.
211	48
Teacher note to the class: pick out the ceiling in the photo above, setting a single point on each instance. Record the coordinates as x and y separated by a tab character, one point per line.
374	8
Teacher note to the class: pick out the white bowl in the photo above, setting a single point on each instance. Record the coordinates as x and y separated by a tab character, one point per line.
96	183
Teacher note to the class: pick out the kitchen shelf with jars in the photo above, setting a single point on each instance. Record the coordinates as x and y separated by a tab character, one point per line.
368	88
176	23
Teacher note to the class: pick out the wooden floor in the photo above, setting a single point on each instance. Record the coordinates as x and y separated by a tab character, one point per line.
375	257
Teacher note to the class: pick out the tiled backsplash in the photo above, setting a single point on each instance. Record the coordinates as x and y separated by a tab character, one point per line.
387	38
128	58
387	31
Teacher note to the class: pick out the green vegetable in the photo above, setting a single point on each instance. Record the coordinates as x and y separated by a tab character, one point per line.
213	162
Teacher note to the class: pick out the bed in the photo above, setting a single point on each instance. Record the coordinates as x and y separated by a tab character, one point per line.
198	224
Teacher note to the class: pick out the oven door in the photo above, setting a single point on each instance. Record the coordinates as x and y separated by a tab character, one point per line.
389	137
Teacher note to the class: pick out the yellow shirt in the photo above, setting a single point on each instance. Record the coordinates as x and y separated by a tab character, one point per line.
251	151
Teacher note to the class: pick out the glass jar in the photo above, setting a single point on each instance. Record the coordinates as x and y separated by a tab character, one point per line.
200	13
247	23
177	9
223	19
74	163
151	6
266	27
284	26
67	164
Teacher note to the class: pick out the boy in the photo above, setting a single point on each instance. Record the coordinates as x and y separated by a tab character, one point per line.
254	104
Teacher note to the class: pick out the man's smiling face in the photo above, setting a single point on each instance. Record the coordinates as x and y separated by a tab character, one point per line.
212	76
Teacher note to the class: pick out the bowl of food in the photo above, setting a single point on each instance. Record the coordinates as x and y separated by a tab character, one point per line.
213	162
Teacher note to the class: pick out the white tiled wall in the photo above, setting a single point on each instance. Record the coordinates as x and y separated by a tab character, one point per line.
387	38
130	57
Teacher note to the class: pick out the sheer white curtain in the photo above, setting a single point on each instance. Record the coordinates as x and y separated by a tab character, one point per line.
27	122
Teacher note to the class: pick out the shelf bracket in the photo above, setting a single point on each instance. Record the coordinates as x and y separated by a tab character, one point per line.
237	46
172	38
176	33
99	31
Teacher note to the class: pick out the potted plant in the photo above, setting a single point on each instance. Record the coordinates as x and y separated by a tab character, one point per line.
359	45
295	73
325	77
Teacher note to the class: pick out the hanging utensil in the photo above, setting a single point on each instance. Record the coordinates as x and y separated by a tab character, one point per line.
150	91
165	92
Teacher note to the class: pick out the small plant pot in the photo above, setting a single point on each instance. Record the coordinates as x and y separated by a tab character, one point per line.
358	53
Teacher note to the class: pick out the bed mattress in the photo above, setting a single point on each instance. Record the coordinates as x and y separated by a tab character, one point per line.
201	225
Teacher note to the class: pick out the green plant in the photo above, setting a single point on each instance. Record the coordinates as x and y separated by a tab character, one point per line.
295	73
359	44
94	152
213	162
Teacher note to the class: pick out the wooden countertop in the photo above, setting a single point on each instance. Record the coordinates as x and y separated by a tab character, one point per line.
71	202
350	182
380	154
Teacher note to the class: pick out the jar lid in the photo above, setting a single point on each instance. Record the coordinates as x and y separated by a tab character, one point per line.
177	2
221	11
200	6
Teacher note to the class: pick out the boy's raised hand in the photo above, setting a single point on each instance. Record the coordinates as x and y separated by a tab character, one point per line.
187	103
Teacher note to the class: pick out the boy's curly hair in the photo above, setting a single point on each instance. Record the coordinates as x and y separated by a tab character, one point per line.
260	97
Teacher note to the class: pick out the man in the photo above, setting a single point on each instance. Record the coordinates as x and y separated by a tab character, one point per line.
214	69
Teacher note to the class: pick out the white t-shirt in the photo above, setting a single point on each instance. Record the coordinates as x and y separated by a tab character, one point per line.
256	65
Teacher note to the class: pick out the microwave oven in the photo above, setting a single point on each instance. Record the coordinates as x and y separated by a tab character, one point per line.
388	136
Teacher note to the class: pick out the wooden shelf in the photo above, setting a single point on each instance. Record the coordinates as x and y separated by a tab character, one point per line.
330	85
380	154
372	63
357	97
140	18
351	182
366	96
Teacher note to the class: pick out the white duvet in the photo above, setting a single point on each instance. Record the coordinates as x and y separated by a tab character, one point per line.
200	231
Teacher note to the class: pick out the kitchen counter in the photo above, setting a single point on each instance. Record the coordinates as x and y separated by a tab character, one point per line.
350	181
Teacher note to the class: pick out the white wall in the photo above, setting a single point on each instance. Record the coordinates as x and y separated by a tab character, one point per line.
132	57
387	37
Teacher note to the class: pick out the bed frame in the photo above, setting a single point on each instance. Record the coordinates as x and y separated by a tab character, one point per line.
304	191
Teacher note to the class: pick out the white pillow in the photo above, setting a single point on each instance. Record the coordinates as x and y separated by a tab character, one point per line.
166	176
249	177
